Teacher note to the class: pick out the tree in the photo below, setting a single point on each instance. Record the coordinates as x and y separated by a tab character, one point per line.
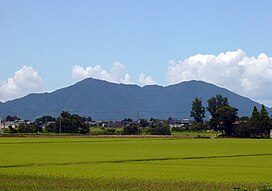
169	119
29	128
243	129
198	111
143	123
45	119
12	118
11	129
265	123
131	130
160	129
226	115
196	127
89	119
216	102
254	122
71	124
52	128
127	120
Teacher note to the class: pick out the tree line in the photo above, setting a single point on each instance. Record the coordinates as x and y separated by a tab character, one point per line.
224	117
65	123
75	124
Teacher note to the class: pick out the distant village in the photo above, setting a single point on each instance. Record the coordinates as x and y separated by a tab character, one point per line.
13	122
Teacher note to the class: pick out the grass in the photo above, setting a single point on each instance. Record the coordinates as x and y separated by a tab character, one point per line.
195	134
134	164
103	131
143	131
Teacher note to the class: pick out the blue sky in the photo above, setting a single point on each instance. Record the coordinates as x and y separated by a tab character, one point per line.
46	45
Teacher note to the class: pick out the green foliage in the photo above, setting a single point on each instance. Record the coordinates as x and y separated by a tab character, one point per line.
105	131
265	188
144	123
12	118
131	130
265	123
127	120
110	131
160	129
51	128
258	125
195	126
243	129
226	116
68	123
11	130
254	122
198	111
216	102
28	128
179	129
45	119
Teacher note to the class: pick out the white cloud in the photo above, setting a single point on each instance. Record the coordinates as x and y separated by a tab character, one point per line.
249	76
145	80
25	81
116	74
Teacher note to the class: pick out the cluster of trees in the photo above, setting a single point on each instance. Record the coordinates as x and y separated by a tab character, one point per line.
25	128
157	128
258	124
12	118
225	118
73	123
65	123
68	123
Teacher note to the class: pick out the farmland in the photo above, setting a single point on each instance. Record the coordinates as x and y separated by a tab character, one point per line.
134	163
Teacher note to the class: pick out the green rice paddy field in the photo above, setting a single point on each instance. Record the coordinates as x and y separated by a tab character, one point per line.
134	164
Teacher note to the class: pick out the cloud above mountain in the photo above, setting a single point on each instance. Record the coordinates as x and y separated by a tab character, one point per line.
145	80
248	76
25	81
116	74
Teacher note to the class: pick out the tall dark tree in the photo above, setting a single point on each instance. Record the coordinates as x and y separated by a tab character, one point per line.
254	122
216	102
227	115
198	111
265	123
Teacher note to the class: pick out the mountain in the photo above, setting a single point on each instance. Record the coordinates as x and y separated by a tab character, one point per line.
104	100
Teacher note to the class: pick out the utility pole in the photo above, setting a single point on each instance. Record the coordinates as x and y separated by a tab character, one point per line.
4	123
60	125
137	115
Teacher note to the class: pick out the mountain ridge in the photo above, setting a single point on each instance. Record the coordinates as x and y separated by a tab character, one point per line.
104	100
